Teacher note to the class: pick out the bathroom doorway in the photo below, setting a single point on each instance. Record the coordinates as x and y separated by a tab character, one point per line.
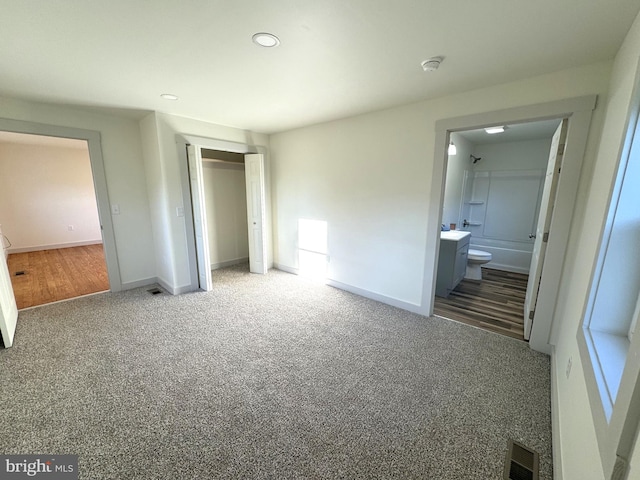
493	189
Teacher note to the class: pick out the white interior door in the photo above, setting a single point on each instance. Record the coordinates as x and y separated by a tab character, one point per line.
544	221
199	217
8	307
256	216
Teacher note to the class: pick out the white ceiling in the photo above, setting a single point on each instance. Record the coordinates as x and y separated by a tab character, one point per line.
337	57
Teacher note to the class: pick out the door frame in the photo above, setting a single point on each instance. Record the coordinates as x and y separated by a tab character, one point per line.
578	110
182	140
92	138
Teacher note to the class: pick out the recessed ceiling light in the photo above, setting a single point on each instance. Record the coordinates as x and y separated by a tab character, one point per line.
432	64
492	130
266	39
169	96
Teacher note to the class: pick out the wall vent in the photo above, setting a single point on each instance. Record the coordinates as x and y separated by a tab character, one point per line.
521	463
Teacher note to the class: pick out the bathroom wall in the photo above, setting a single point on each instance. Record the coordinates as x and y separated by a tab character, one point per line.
502	197
453	192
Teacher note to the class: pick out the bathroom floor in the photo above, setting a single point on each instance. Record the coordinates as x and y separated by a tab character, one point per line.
495	304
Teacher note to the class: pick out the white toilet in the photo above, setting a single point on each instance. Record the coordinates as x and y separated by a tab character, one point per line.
475	259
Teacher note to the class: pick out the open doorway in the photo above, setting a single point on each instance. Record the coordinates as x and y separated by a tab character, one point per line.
51	229
578	111
493	192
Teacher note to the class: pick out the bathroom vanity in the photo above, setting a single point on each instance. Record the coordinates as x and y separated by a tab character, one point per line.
452	261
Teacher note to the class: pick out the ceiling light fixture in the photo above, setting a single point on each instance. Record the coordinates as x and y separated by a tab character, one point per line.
452	149
492	130
267	40
169	96
432	64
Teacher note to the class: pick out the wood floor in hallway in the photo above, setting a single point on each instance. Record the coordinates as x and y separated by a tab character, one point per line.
58	274
495	304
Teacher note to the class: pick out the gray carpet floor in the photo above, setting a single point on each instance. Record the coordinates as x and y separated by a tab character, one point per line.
267	377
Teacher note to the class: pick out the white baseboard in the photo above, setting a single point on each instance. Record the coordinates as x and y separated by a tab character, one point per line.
173	290
228	263
394	302
555	420
140	283
506	268
38	248
285	268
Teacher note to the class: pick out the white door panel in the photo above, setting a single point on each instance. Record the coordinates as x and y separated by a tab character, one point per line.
544	221
8	307
199	217
256	216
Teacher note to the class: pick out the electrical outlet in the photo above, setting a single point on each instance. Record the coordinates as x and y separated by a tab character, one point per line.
115	209
569	364
71	228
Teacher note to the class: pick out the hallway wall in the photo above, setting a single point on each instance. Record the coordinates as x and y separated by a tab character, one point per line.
43	191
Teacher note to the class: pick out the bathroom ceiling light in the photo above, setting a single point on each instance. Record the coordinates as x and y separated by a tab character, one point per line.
452	149
492	130
169	96
267	40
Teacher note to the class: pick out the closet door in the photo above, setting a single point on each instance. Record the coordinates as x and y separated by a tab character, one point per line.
199	217
256	212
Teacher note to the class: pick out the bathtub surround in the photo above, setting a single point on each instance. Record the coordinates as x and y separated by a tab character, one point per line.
498	198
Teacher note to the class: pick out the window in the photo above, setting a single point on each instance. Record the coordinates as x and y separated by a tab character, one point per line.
613	306
608	345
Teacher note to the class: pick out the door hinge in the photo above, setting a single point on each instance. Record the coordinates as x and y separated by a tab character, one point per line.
545	237
561	149
531	314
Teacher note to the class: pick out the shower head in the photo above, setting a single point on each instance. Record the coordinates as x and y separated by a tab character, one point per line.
475	159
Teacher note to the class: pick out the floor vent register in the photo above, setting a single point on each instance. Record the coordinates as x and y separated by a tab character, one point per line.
522	463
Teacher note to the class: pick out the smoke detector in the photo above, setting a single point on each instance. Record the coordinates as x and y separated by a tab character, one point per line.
432	64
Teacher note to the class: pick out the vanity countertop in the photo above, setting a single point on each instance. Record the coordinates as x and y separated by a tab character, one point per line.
454	235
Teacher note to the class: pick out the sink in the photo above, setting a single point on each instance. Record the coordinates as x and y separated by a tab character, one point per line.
454	235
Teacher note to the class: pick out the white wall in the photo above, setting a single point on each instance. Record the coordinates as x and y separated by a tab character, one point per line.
369	178
580	457
163	169
126	184
456	166
44	190
226	206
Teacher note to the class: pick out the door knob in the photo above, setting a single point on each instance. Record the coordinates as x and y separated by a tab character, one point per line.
532	235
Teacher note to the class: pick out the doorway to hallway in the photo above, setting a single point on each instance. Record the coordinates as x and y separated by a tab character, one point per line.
51	230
